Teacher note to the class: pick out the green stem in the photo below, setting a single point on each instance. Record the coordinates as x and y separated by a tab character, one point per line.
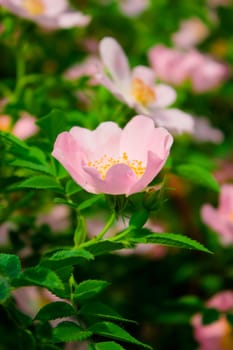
106	228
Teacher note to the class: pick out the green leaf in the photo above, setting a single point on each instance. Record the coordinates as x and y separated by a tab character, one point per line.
108	345
69	331
4	289
9	265
88	289
111	330
30	165
197	175
169	239
72	187
13	141
138	219
66	257
97	309
89	202
210	315
26	340
41	182
230	318
55	310
40	276
52	124
104	247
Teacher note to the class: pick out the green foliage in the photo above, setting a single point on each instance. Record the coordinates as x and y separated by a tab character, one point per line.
107	345
52	311
88	289
9	265
103	247
40	276
100	310
52	124
69	331
210	315
66	257
41	182
197	175
111	330
167	239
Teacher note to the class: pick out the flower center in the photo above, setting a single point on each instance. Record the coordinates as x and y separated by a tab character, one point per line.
5	123
142	93
34	7
226	340
103	164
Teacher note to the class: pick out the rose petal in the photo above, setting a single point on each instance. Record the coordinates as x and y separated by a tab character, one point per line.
165	96
174	120
118	180
116	62
147	75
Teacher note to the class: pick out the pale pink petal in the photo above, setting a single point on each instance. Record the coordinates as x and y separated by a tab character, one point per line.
115	61
226	199
165	95
118	180
153	167
203	131
112	87
147	75
104	139
174	120
70	155
72	19
25	127
133	8
138	128
222	301
217	222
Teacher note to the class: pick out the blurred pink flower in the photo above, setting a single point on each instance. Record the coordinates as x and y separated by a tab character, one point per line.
221	219
110	159
217	335
137	88
152	251
224	171
24	127
89	67
191	32
203	131
177	67
57	218
31	299
50	14
133	8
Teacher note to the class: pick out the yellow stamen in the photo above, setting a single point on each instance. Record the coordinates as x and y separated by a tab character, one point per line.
103	164
142	93
226	340
34	7
5	123
231	216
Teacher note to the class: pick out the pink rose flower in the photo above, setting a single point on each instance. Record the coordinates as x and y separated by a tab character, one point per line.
50	14
203	131
191	32
177	67
221	219
89	67
24	128
31	299
217	335
58	218
137	88
133	8
110	159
